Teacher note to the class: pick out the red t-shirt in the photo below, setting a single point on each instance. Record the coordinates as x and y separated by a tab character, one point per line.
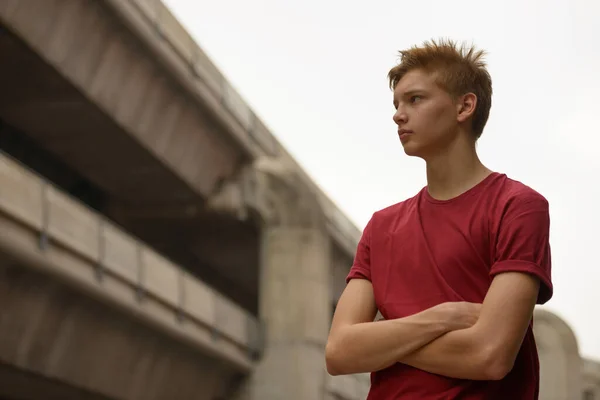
422	252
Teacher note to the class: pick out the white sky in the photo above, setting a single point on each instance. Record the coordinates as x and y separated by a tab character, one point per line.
315	72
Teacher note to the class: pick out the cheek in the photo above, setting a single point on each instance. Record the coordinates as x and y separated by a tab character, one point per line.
434	119
441	113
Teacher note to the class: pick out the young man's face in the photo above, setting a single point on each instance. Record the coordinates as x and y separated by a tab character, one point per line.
426	114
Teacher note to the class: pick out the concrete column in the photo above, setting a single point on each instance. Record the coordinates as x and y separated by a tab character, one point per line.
560	363
294	298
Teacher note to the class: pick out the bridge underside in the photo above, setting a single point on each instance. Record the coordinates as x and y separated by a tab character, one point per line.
50	333
54	127
17	384
111	102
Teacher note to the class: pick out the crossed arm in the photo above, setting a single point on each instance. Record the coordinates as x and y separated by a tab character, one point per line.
488	349
484	351
440	340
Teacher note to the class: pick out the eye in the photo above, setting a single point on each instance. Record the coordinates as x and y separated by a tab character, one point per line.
415	99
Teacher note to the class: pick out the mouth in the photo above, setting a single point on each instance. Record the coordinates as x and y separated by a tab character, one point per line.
404	133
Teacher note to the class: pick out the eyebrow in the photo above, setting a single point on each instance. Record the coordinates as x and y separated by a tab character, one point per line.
409	93
413	91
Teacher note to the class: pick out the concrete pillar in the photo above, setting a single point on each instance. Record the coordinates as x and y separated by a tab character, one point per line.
591	380
294	297
560	363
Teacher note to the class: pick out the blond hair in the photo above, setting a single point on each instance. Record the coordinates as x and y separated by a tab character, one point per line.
458	69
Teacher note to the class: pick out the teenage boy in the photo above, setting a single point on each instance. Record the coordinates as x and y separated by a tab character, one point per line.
455	270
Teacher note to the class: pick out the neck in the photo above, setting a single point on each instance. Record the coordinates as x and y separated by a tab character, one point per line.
455	170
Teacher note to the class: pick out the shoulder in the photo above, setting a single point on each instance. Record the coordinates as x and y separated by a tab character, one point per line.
513	194
395	213
511	199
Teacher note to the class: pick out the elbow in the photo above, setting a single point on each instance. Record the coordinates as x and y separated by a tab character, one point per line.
496	365
497	371
332	360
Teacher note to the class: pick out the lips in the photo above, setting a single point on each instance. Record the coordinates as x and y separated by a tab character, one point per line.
404	133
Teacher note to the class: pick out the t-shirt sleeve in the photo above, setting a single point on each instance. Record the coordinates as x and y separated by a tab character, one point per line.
361	268
523	241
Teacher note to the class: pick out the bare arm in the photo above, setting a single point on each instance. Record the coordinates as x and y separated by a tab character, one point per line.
357	344
487	350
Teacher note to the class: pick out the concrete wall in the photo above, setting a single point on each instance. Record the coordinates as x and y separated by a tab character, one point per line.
564	374
59	334
88	305
591	380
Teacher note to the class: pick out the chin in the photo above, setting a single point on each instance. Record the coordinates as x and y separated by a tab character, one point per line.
412	150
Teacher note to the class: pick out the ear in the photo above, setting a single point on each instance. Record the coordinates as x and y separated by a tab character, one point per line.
465	106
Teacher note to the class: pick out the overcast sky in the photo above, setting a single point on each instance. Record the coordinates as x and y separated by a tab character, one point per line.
315	72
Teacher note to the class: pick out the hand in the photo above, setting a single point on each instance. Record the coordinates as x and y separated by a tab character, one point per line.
460	315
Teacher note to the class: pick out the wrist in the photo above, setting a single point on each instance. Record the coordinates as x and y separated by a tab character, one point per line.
445	314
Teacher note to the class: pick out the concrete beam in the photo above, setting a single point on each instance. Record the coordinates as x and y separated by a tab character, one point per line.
160	87
16	383
46	230
60	335
165	36
103	71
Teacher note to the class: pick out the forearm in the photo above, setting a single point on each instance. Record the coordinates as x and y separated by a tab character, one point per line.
488	349
371	346
458	354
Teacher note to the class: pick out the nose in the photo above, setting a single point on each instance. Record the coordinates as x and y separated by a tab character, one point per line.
400	117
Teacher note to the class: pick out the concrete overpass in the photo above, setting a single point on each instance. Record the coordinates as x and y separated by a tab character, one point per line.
156	240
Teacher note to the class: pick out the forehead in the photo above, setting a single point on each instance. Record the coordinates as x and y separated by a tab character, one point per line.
416	79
